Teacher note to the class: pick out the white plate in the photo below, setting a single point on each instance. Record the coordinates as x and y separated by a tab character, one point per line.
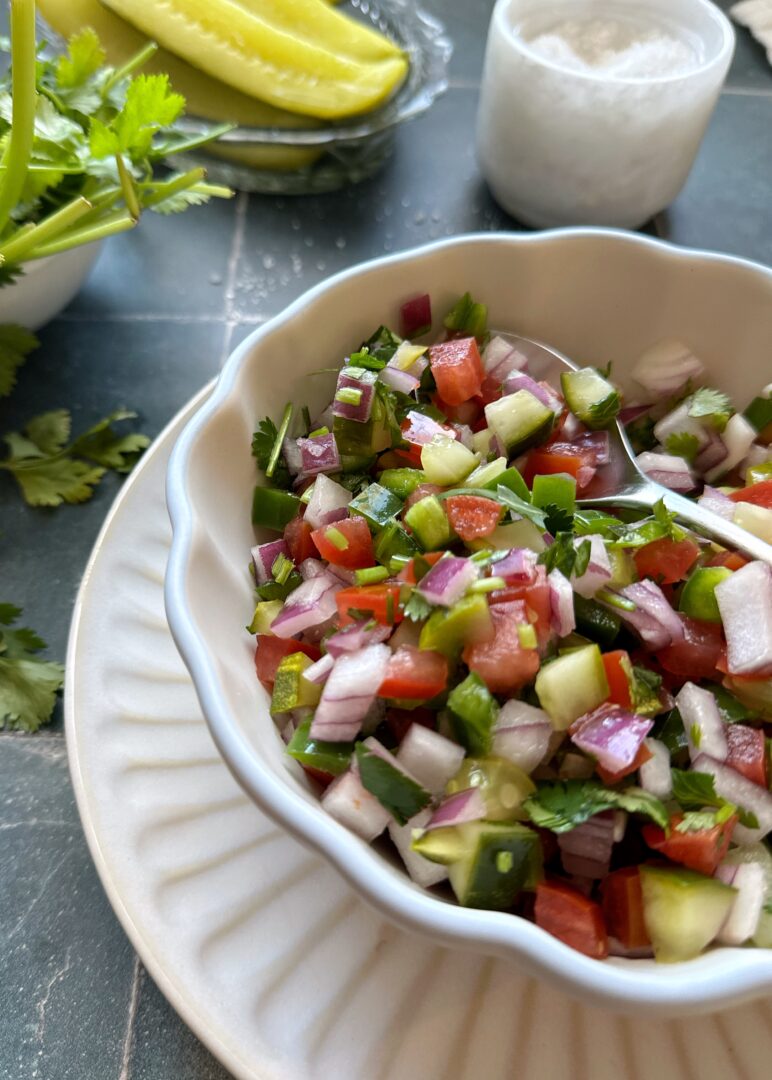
278	967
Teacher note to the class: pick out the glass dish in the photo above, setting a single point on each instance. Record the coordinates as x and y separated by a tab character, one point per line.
333	155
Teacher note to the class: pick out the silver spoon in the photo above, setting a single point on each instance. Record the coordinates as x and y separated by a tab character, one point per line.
622	483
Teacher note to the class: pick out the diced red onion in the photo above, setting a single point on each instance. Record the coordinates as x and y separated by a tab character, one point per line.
745	603
612	735
361	411
343	573
517	566
666	367
739	436
311	568
522	734
349	692
464	435
738	789
415	315
292	456
424	428
319	455
743	919
584	475
653	618
459	809
518	380
356	636
328	503
667	469
319	672
402	381
422	871
497	350
713	454
562	618
717	502
263	558
678	422
310	604
586	849
595	443
655	775
431	758
350	803
598	572
572	427
705	731
447	581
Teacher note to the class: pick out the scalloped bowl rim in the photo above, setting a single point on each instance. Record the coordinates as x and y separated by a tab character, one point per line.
721	977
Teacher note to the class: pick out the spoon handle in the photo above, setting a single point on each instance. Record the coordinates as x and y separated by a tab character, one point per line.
704	522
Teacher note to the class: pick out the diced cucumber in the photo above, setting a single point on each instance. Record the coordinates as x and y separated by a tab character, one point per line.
503	785
623	571
521	533
402	482
555	489
519	420
683	911
595	621
384	778
572	685
332	758
443	846
473	711
429	522
754	519
590	397
265	612
290	689
446	461
466	622
481	442
377	505
698	596
484	476
500	860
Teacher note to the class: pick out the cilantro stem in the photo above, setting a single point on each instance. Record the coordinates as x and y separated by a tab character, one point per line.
114	223
31	236
183	146
127	187
214	191
280	437
17	152
131	65
171	187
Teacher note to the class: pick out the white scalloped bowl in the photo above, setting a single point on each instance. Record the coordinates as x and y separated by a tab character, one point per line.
598	296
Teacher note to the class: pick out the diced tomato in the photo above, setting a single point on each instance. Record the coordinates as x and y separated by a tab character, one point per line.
321	777
415	316
399	720
473	516
730	559
490	390
759	494
414	674
468	412
666	561
748	752
420	493
407	573
298	538
457	369
535	593
502	663
616	676
572	918
559	458
270	652
380	602
622	903
643	755
349	545
697	655
701	850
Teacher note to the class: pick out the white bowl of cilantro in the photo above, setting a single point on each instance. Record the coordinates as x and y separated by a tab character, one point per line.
510	724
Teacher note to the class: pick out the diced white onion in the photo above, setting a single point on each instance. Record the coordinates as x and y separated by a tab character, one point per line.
654	775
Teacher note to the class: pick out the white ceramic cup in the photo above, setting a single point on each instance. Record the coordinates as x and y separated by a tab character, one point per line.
560	146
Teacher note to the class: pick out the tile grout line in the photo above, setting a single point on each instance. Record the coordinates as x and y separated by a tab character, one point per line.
128	1042
230	315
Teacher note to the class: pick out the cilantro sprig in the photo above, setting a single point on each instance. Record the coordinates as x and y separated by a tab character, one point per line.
16	344
563	805
28	685
697	790
712	406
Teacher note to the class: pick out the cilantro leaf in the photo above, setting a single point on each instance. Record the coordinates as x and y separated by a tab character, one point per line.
264	442
644	691
103	445
660	526
700	820
711	405
28	686
602	413
696	790
566	556
149	106
557	519
402	796
563	805
683	444
640	432
15	345
381	345
83	58
417	608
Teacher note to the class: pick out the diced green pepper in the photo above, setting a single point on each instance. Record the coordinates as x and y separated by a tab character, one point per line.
468	317
473	711
394	542
265	612
698	596
555	489
429	522
276	590
273	509
595	621
485	476
377	505
512	479
670	731
402	482
759	413
732	711
290	689
328	757
447	631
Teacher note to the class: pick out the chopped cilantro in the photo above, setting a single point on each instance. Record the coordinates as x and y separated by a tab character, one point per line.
417	609
28	686
267	442
563	805
602	413
711	405
557	519
696	790
683	444
15	344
